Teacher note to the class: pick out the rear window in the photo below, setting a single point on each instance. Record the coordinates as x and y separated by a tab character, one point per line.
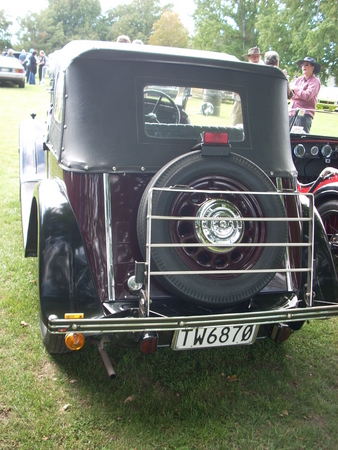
177	112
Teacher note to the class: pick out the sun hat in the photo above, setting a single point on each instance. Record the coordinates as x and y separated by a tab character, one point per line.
253	51
310	60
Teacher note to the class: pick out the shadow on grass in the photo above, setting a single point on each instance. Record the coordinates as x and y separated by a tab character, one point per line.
213	383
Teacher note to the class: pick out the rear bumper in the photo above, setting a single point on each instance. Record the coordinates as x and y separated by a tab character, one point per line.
106	326
9	77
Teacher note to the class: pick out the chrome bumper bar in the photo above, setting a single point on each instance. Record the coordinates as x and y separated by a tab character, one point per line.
126	325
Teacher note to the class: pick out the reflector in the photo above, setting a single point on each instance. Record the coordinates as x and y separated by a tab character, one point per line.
74	341
148	346
215	138
74	316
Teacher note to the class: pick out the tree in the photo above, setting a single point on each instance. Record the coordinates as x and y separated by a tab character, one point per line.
32	33
136	19
323	39
299	28
5	35
226	25
60	23
169	31
79	18
275	33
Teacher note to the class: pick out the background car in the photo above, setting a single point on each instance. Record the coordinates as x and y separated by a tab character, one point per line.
328	98
12	71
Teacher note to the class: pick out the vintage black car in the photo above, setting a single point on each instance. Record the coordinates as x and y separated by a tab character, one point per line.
161	221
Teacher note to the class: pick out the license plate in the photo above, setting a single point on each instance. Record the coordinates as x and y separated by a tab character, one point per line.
214	337
4	69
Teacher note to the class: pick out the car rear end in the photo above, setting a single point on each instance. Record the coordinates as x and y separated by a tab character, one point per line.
162	226
11	71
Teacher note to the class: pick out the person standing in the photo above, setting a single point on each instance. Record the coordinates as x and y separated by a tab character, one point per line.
236	117
42	64
305	94
254	55
271	58
22	58
27	62
32	67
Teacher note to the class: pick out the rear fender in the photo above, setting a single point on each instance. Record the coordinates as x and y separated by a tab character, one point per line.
66	284
325	283
32	169
326	193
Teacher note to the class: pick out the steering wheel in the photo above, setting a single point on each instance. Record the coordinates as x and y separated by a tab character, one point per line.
152	116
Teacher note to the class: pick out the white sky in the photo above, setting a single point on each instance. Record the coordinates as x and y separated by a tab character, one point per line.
19	8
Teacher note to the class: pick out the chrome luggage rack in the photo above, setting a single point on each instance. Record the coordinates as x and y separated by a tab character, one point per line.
287	269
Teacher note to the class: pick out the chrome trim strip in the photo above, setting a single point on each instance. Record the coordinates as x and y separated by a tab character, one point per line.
309	294
109	236
279	185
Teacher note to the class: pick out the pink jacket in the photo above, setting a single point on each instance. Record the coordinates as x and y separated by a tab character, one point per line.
305	94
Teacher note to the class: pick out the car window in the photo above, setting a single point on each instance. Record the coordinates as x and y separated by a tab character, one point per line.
179	112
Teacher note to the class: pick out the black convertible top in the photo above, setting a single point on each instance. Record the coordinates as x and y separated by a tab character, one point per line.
97	123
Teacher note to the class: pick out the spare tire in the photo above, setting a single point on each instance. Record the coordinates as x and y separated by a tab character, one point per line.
212	174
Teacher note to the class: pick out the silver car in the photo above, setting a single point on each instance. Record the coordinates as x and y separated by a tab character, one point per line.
11	70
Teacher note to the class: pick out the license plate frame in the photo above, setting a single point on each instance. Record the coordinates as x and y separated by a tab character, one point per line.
214	336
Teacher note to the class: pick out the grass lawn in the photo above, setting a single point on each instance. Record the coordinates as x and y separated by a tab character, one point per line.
260	397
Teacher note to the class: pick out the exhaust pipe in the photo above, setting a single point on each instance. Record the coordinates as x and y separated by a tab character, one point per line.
105	358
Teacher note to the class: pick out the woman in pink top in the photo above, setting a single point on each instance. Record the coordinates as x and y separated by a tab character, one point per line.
305	93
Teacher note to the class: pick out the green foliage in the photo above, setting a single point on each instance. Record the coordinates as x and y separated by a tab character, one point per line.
226	26
30	35
5	35
62	22
299	28
169	31
135	19
294	28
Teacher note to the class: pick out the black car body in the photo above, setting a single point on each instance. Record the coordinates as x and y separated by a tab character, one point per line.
156	225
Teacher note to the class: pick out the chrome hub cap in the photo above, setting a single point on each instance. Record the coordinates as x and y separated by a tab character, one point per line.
221	227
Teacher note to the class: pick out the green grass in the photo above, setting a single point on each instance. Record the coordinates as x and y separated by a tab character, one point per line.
283	397
325	123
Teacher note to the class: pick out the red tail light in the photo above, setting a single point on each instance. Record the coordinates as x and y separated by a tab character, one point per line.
215	138
148	344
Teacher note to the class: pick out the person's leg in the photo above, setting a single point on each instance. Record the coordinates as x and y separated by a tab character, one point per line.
308	123
305	122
